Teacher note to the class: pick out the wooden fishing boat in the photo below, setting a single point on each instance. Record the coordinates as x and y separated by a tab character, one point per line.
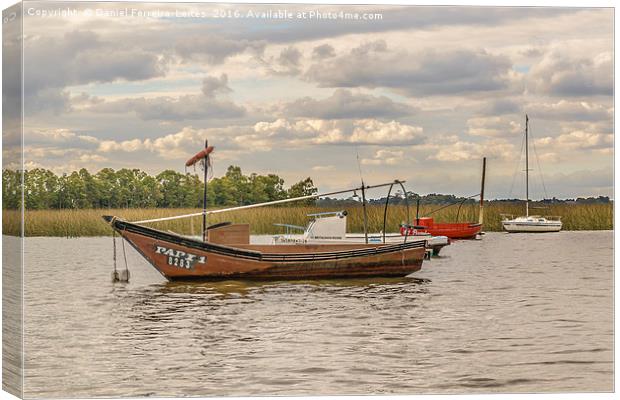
225	251
180	258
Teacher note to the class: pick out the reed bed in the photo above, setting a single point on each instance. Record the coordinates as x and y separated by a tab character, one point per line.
75	223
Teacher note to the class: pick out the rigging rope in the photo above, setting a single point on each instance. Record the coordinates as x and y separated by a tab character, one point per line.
119	276
514	175
125	257
542	180
453	204
114	250
209	164
359	166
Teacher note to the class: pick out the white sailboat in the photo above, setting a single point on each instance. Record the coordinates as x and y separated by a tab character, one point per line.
530	223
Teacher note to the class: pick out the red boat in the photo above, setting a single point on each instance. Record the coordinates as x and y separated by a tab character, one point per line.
463	230
456	230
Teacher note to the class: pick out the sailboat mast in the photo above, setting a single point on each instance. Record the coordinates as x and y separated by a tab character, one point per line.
527	170
484	170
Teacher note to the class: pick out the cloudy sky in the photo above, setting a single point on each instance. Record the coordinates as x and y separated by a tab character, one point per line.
416	93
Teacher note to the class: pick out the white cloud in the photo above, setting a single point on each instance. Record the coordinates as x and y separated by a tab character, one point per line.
562	73
313	131
387	157
460	150
173	146
493	126
107	146
577	140
323	168
377	132
90	158
57	135
566	110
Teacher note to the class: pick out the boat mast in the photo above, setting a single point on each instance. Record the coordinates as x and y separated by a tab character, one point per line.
365	214
527	172
481	213
204	195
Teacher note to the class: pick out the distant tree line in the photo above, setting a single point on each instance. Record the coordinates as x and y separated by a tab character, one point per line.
397	198
553	200
133	188
444	199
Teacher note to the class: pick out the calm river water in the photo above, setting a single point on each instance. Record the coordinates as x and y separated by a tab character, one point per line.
509	313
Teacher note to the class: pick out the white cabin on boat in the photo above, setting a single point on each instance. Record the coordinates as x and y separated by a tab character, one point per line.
330	227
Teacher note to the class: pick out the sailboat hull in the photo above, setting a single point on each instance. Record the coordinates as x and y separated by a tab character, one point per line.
515	226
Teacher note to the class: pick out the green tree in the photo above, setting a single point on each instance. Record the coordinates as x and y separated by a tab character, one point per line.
266	188
303	188
40	189
11	189
135	188
108	185
179	190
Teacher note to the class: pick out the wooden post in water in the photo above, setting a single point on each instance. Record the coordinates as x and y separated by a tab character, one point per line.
481	214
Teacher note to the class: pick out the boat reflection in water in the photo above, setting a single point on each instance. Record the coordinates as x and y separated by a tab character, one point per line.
159	310
246	287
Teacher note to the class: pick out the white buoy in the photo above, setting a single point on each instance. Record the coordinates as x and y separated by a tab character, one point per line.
124	275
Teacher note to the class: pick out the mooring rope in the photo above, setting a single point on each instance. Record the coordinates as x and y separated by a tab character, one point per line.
514	174
114	249
125	255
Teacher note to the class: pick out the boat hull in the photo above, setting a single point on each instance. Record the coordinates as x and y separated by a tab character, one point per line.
180	258
435	244
515	227
457	230
454	231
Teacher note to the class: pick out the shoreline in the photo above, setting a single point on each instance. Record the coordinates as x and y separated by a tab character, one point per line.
88	222
272	234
